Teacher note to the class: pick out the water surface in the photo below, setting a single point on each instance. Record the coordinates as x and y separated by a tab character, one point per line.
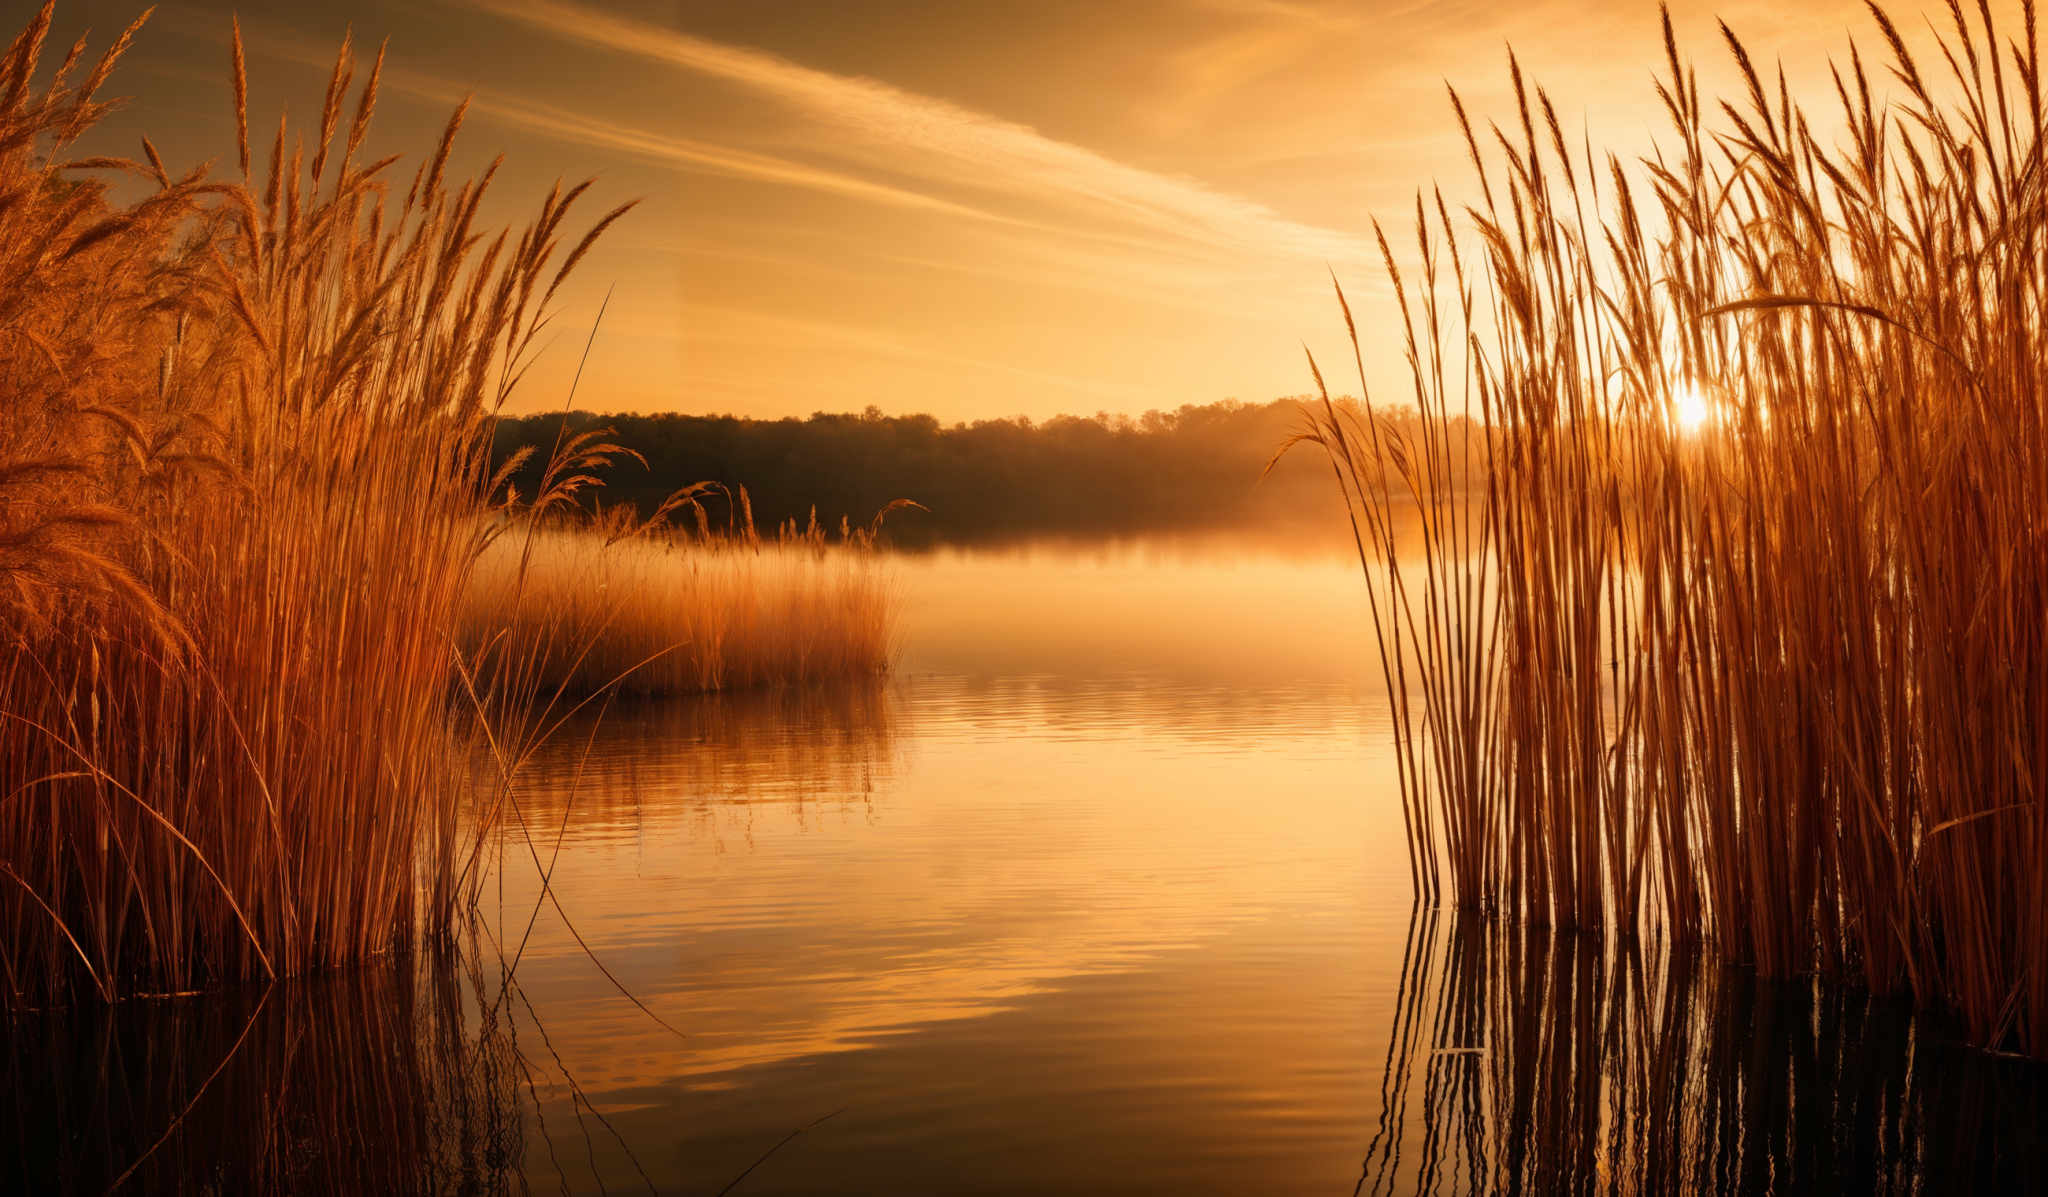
1088	895
1104	891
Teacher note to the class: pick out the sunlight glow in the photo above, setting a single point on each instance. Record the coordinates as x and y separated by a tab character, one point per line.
1689	409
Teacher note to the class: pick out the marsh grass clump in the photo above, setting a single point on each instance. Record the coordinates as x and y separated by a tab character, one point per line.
1741	637
608	603
243	481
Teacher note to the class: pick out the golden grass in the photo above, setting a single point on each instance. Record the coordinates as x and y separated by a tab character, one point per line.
242	481
1776	678
658	612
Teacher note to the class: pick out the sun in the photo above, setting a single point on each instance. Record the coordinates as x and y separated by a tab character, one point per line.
1689	408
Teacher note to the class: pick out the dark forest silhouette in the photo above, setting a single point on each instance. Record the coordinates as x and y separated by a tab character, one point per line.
1199	467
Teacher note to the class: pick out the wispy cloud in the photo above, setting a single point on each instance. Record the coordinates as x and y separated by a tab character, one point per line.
690	153
946	145
660	148
976	264
669	150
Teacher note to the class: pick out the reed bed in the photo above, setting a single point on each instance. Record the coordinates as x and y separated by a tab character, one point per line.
610	606
1740	639
243	480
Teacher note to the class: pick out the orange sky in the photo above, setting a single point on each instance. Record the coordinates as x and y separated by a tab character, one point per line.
969	209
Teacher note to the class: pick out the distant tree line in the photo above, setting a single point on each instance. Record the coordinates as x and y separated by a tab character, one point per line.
1197	467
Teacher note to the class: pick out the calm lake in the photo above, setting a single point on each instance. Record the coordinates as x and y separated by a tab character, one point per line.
1104	891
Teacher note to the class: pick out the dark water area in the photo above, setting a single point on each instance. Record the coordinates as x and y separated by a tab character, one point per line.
1105	891
374	1082
1526	1062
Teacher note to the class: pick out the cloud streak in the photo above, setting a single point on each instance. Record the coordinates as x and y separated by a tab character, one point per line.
968	263
949	145
659	148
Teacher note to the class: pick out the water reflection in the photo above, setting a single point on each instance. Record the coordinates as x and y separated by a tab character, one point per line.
385	1080
712	758
789	877
1521	1061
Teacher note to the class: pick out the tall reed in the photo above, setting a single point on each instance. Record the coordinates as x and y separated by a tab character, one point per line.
241	485
1740	637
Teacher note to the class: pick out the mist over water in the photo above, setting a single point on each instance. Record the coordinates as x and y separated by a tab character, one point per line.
1104	890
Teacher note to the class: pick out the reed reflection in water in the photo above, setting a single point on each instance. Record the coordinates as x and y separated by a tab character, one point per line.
436	1075
1525	1061
710	759
387	1079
